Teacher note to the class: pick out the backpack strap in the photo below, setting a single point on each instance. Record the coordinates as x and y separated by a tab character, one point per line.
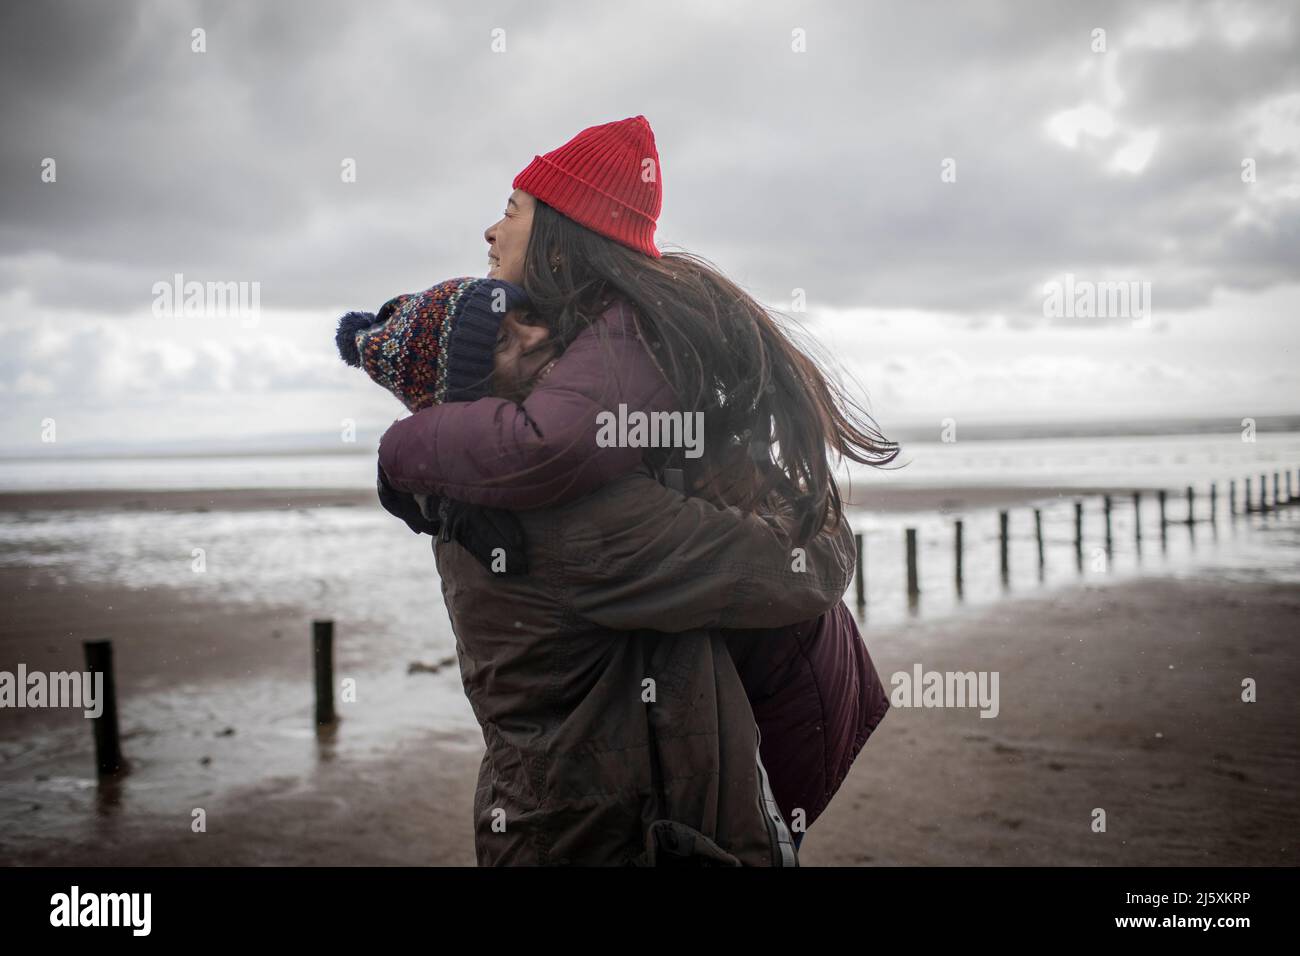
784	851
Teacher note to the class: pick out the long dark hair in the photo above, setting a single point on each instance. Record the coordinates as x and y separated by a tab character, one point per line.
771	414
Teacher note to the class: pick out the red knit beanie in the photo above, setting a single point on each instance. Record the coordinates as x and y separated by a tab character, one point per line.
606	178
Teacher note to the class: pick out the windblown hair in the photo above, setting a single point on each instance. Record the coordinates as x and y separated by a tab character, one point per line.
771	414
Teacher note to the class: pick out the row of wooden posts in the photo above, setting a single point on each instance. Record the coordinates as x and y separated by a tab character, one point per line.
1262	506
99	654
108	740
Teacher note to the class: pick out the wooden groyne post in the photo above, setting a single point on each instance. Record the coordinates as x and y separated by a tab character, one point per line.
860	583
913	584
1003	526
1038	537
108	742
322	640
958	548
1078	533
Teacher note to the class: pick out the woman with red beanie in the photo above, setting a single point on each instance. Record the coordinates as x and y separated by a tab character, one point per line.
614	323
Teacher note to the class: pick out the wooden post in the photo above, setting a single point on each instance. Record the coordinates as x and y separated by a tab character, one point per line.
1214	503
957	548
1105	503
108	742
861	583
1248	504
1038	536
1163	521
1263	493
1191	505
1003	520
1277	489
1078	533
1289	499
1137	515
322	633
1232	498
913	585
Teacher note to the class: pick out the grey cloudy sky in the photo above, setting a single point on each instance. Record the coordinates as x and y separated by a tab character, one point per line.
819	170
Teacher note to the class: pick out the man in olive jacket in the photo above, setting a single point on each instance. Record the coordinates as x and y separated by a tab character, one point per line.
617	730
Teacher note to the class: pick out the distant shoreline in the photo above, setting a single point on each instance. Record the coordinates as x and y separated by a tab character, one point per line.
186	499
912	498
314	444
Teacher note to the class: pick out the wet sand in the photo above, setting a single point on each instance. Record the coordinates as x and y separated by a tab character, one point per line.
1092	714
1124	696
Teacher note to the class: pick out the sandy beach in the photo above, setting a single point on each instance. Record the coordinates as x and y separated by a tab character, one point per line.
1123	695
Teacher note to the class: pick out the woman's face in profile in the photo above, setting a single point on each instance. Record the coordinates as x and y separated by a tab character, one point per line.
507	238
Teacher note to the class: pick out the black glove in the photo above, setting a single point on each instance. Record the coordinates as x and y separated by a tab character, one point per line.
481	531
403	505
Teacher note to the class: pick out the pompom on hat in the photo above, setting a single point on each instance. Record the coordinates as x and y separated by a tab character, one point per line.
433	346
607	178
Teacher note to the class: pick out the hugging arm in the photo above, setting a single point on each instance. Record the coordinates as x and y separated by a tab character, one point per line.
407	506
493	536
544	448
645	557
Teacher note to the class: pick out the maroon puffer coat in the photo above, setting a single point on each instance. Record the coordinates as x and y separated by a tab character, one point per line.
814	691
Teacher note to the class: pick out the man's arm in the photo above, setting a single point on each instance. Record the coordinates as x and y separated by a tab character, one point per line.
637	555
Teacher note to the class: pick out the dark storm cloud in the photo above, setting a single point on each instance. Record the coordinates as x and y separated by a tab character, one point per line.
817	170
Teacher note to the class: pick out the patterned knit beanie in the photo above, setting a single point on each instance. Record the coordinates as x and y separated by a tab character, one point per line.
433	346
606	178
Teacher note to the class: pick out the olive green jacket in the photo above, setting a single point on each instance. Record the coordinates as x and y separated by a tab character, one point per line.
616	728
